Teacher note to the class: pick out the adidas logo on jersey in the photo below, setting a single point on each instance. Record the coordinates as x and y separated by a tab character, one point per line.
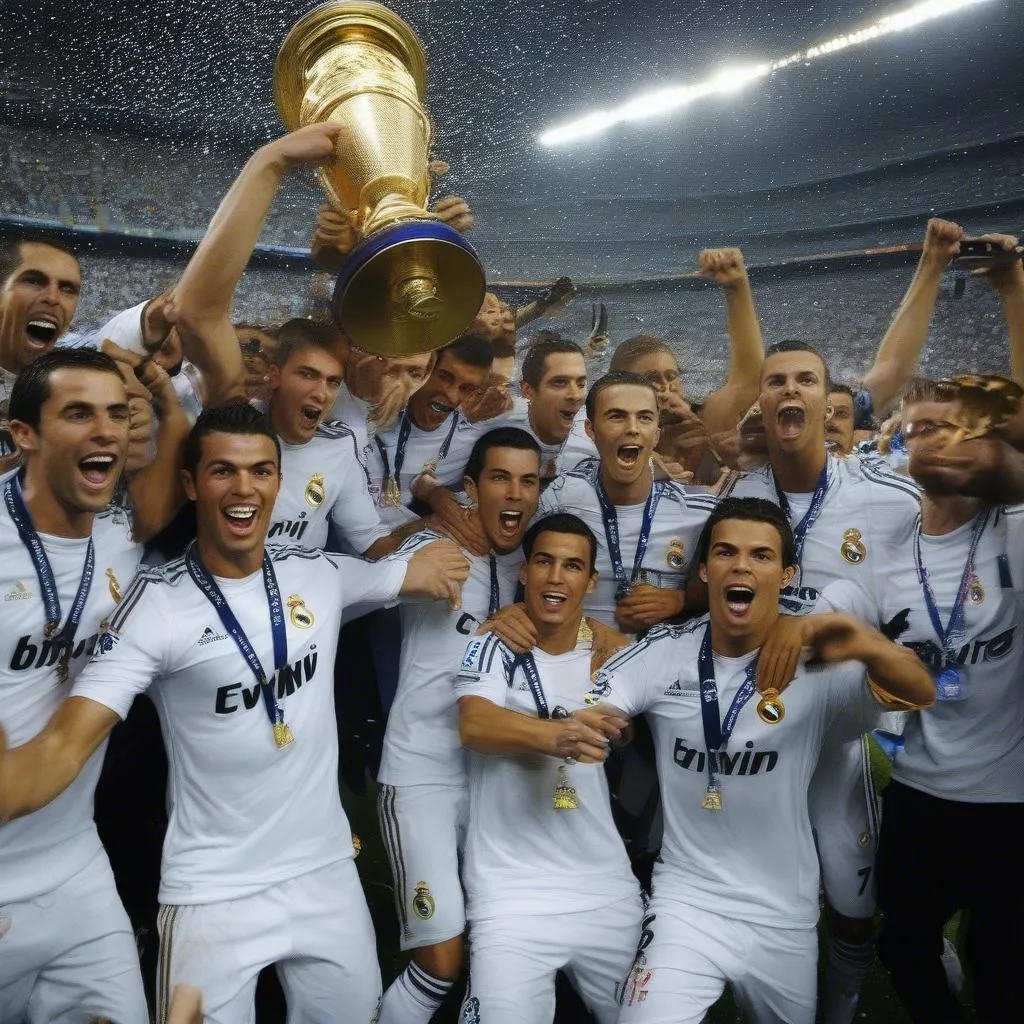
742	762
19	593
678	690
210	636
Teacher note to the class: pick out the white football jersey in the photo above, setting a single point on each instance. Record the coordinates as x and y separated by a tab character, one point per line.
520	851
355	414
243	815
865	510
424	450
754	860
422	740
41	851
554	458
675	529
970	749
323	481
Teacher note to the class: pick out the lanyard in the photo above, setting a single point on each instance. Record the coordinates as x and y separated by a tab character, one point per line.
494	603
65	634
404	430
813	511
208	585
716	731
952	635
529	666
611	533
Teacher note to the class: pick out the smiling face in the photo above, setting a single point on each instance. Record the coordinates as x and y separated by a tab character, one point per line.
304	389
451	383
793	401
77	452
506	495
560	395
37	303
557	579
234	486
745	574
625	430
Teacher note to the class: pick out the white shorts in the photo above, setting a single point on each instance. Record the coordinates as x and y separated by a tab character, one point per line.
844	811
513	960
423	828
686	956
316	928
69	955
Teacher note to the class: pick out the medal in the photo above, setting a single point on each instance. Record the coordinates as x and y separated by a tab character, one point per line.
564	796
976	594
282	735
430	466
315	494
357	845
299	614
676	556
770	708
949	684
584	636
113	586
852	548
391	493
712	798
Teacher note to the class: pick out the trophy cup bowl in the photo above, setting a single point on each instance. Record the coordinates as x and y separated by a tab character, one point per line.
412	284
987	401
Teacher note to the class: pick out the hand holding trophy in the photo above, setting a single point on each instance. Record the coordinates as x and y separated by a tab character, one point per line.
412	283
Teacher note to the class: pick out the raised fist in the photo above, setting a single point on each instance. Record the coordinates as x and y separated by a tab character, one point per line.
723	266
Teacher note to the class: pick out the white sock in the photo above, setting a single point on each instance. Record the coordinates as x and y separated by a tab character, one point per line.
413	997
849	964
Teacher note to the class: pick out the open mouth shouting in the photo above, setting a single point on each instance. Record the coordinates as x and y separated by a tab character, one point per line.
510	522
42	330
791	419
628	455
311	415
738	599
241	518
98	469
441	409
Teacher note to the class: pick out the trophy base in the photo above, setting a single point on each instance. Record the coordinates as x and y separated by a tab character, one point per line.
409	288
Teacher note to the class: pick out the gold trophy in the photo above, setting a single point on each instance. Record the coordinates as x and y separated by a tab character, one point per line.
987	401
413	283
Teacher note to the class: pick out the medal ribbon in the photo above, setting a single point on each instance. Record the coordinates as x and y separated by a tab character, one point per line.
529	666
494	603
813	510
208	585
611	535
952	635
22	520
716	731
404	430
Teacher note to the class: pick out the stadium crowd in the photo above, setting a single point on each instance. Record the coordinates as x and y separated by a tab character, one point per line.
637	650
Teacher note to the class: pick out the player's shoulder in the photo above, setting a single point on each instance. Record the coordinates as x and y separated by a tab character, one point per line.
418	540
668	639
876	480
331	430
748	483
284	554
574	484
687	495
584	474
487	654
151	587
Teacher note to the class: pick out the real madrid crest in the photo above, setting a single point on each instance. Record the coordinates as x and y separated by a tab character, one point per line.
300	615
315	493
676	555
423	905
113	586
852	548
976	593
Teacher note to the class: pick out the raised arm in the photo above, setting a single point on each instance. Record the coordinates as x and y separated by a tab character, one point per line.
723	408
37	772
201	305
1008	281
900	349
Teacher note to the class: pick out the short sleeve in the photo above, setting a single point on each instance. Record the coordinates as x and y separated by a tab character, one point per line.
131	652
632	679
848	697
485	671
354	513
848	598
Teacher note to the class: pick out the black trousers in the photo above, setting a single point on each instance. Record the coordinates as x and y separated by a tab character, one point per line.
936	857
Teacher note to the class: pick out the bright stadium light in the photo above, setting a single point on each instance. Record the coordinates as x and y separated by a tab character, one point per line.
730	80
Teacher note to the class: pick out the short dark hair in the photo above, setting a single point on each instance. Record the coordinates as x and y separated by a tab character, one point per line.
537	355
632	349
227	418
751	510
11	254
560	522
794	345
32	388
838	388
611	380
472	350
301	333
500	437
